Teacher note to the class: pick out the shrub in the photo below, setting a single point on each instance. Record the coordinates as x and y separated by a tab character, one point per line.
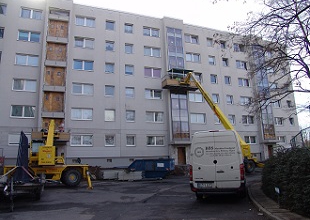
289	170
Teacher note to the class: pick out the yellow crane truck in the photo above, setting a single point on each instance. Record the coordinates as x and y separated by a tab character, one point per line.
43	159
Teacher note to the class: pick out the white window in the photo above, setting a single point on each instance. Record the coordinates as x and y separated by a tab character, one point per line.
109	67
130	115
152	72
193	57
281	139
212	60
247	119
110	25
241	64
130	140
216	98
250	139
21	111
152	32
129	48
1	32
109	90
82	89
239	47
244	100
31	13
195	97
129	70
209	42
191	38
83	65
278	121
227	80
84	21
152	51
291	120
128	28
109	140
28	36
85	140
223	44
198	118
231	118
213	79
154	116
27	60
81	114
229	99
130	92
243	82
155	141
109	45
24	85
109	115
13	139
225	61
276	103
153	94
84	42
2	9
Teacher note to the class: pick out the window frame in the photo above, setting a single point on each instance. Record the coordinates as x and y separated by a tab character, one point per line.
151	32
106	90
128	28
155	141
213	79
85	45
155	115
31	110
86	22
75	61
24	85
152	51
110	25
82	114
31	14
109	137
3	8
195	118
26	56
153	93
82	143
83	89
106	116
108	64
128	118
29	34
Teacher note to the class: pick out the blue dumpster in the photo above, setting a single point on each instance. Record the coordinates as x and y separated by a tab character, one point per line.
153	168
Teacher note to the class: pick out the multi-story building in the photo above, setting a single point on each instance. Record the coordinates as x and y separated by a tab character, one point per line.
102	76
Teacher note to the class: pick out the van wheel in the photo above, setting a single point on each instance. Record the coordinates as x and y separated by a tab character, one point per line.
199	196
71	177
250	166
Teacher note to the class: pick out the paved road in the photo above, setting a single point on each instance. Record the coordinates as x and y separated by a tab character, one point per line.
168	199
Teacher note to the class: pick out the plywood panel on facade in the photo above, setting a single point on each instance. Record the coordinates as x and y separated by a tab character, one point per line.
58	28
56	51
53	102
54	76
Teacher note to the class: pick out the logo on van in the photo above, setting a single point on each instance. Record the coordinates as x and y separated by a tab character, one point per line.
199	152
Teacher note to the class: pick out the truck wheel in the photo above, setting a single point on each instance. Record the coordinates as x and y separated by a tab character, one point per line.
250	166
71	177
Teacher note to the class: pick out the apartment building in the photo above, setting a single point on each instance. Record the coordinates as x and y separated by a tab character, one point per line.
102	75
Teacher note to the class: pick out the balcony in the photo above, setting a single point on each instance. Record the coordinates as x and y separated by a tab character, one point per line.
173	81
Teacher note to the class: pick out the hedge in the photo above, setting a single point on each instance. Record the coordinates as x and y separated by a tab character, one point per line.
289	170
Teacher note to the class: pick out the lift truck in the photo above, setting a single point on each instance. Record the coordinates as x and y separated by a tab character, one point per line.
43	159
250	161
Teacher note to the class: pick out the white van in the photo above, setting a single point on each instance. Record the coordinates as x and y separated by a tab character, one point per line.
216	164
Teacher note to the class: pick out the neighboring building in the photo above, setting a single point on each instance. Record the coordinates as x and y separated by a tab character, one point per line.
100	74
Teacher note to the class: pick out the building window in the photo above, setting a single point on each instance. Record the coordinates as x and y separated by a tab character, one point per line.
289	103
250	139
153	94
229	99
109	67
244	100
84	21
83	65
241	64
247	119
227	80
276	103
109	90
151	51
82	89
195	97
155	141
225	61
129	48
82	140
216	119
213	79
154	116
128	28
130	140
223	44
278	121
239	47
109	140
27	60
21	111
31	13
216	98
232	119
110	25
130	92
291	120
109	115
212	60
198	118
152	72
81	114
1	32
210	42
109	45
24	85
152	32
84	42
191	38
129	69
281	139
29	36
193	57
243	82
2	9
130	115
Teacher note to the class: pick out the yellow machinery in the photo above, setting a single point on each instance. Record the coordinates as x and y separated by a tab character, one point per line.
249	160
44	160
